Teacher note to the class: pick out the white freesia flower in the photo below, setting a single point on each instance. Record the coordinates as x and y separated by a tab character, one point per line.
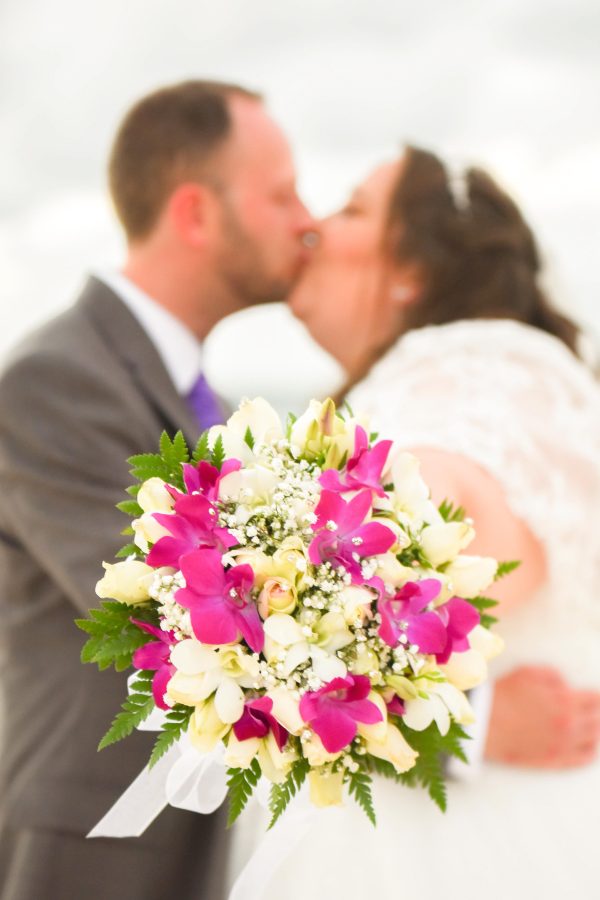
260	417
274	763
251	486
128	581
470	575
316	753
393	748
326	788
391	571
303	423
442	701
206	729
468	669
357	602
202	671
443	542
411	499
319	428
286	643
256	415
286	709
377	730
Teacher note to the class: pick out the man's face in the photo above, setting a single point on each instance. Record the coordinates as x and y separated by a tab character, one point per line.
264	221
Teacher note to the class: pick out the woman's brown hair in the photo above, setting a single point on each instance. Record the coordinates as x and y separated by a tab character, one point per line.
475	255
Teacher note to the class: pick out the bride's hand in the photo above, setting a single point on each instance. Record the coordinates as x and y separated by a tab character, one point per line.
538	720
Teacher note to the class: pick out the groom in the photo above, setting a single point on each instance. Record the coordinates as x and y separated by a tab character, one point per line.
203	183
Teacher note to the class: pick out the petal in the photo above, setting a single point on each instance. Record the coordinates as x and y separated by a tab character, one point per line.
419	713
240	753
191	657
427	632
295	656
284	629
376	538
160	683
335	728
286	709
151	656
250	624
229	701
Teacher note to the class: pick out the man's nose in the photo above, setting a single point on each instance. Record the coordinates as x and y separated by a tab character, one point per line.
305	221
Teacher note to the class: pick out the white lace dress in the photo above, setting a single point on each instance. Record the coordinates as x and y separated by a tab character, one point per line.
517	402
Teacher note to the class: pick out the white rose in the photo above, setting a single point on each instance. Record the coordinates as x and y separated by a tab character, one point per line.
153	496
470	575
128	581
147	531
443	542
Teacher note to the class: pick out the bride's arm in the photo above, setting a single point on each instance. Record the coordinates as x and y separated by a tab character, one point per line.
500	533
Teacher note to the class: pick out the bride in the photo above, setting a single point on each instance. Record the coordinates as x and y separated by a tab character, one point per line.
424	287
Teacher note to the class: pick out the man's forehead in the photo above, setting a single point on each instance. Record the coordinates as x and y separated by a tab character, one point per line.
255	138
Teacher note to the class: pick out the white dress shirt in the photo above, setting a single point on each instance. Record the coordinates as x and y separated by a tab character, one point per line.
179	349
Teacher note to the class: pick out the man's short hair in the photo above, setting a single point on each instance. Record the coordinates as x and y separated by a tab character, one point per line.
168	137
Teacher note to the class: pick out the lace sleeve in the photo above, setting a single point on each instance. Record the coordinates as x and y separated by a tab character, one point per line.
508	396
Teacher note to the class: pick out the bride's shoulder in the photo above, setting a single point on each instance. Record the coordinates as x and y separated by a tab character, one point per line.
492	345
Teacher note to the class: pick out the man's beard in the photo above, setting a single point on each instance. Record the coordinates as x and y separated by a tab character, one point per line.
242	269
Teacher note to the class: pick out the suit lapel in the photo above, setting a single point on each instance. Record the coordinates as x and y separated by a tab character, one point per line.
127	340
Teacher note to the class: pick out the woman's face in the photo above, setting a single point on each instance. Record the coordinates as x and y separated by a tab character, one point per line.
340	294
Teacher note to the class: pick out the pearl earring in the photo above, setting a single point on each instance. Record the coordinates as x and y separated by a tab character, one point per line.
401	293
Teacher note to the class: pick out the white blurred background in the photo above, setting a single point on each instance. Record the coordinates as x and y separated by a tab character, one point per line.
511	84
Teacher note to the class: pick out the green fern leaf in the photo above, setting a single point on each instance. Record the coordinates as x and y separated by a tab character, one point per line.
113	636
450	513
241	784
129	550
201	452
134	710
505	568
218	453
281	794
130	508
359	787
176	724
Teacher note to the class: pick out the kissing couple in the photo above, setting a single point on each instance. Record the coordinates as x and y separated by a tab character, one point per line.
425	287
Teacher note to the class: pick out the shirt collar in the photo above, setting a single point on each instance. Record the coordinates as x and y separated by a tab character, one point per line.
179	349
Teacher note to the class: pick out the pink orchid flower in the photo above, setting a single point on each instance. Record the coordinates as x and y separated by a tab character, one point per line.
219	600
395	706
205	478
363	470
343	538
191	526
459	619
334	710
156	655
256	722
406	614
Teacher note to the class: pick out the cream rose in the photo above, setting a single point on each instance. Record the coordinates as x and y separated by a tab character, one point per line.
128	581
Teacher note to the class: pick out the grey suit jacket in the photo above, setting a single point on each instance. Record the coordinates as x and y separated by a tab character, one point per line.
77	398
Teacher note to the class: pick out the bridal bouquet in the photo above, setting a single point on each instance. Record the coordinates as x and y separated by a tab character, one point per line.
293	594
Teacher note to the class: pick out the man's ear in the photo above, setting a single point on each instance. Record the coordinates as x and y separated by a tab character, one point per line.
191	210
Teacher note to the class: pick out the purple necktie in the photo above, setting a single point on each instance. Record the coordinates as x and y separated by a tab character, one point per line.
204	404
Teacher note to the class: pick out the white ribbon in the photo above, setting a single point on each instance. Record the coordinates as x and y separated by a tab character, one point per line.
275	847
186	779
